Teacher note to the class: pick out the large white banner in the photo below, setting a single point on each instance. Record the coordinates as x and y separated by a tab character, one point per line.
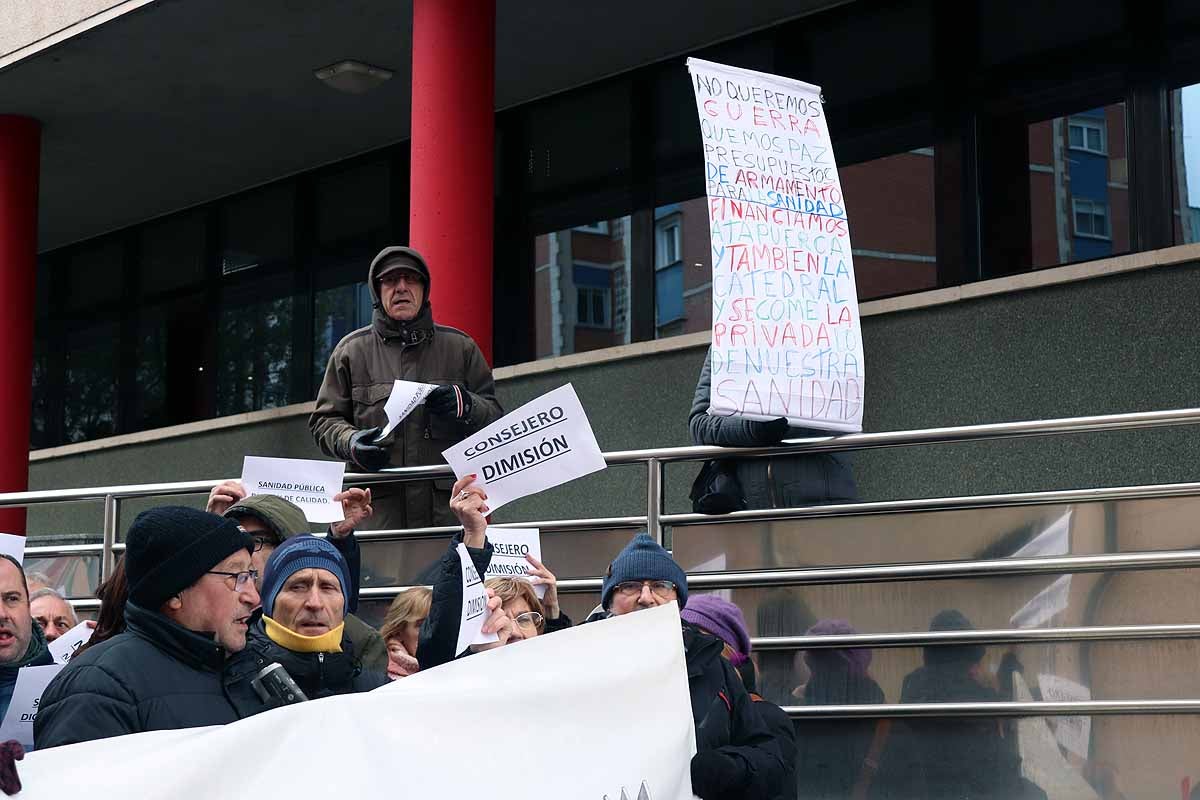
571	704
543	444
786	340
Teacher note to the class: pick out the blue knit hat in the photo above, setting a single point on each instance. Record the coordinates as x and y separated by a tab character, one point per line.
643	559
302	552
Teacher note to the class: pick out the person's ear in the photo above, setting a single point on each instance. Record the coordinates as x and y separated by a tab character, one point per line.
175	603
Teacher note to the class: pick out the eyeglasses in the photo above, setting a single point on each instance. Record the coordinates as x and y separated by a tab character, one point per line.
240	579
530	620
662	589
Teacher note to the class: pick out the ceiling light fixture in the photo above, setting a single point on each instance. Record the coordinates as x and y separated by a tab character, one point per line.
352	77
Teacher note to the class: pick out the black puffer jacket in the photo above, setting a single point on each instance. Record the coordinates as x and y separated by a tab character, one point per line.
439	632
751	765
157	675
317	674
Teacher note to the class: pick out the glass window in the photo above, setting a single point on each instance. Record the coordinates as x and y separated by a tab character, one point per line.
93	275
90	390
150	400
353	203
1185	138
254	351
338	311
1079	187
172	253
39	431
258	228
581	284
893	232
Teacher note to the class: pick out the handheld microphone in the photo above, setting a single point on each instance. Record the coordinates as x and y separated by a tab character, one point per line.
273	682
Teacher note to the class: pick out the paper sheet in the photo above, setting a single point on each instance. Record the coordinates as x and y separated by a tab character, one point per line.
309	484
65	646
22	711
474	607
405	397
508	560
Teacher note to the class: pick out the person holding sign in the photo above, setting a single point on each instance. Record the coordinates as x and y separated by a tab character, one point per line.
191	596
736	755
775	481
403	343
22	644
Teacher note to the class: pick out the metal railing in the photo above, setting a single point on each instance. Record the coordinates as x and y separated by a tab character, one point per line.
656	520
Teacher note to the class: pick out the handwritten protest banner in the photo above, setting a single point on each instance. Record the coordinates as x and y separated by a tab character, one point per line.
510	546
405	397
65	646
474	605
307	483
786	340
544	443
26	697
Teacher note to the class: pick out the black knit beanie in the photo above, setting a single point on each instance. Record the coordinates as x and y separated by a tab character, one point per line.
170	548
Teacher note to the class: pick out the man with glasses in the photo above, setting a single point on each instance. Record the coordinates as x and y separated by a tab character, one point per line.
191	595
737	757
302	627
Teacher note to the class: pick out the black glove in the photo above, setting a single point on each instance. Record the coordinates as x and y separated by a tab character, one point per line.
771	432
714	774
452	400
365	453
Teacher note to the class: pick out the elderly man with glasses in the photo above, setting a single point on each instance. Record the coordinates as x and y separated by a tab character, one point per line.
191	596
736	756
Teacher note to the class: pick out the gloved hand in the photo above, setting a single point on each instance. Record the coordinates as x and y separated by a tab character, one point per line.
452	400
365	453
714	774
771	432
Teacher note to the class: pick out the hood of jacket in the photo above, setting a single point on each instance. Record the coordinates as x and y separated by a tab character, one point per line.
415	330
700	649
283	518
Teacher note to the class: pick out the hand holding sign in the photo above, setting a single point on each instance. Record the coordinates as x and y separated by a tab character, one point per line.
469	504
545	584
224	495
405	397
356	506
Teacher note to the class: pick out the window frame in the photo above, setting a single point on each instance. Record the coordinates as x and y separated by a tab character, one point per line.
591	292
1103	205
1086	124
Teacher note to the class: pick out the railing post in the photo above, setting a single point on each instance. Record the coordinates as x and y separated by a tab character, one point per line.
654	499
111	512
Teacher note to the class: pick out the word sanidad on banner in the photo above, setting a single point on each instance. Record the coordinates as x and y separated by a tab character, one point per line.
786	336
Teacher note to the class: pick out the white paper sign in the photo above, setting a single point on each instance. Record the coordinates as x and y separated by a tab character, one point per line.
1075	733
1055	540
405	397
474	606
544	443
22	711
786	339
1044	605
13	545
566	692
508	560
1041	760
309	484
65	646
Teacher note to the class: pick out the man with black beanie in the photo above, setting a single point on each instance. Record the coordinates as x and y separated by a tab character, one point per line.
403	343
191	595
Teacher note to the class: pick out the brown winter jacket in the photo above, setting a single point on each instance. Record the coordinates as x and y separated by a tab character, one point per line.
358	381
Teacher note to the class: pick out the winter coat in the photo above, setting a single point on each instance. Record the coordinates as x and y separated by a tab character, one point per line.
777	481
317	674
358	381
156	675
36	655
780	726
727	720
439	632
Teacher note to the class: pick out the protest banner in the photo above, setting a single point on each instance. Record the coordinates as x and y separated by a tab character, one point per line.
510	546
1074	733
23	708
786	339
404	399
474	605
544	443
65	646
13	545
309	484
574	694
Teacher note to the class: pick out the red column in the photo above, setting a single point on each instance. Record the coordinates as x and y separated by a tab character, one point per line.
20	145
453	135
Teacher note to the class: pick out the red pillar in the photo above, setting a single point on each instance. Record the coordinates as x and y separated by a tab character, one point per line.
20	145
453	139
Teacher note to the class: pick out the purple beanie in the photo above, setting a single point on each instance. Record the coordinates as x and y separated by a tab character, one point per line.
720	618
858	658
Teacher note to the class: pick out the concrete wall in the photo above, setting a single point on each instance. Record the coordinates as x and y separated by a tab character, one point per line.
28	23
1126	342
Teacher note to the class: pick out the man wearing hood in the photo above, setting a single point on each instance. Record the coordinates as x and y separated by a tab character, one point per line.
403	343
22	644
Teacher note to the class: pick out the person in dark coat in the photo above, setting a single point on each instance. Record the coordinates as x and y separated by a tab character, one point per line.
721	618
736	756
777	481
22	643
191	596
302	627
974	758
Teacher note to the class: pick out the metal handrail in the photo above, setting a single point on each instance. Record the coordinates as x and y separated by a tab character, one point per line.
1089	633
1000	708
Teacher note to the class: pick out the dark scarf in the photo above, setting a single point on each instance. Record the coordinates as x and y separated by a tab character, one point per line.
415	331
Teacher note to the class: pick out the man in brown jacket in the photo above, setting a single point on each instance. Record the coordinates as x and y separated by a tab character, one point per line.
403	343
